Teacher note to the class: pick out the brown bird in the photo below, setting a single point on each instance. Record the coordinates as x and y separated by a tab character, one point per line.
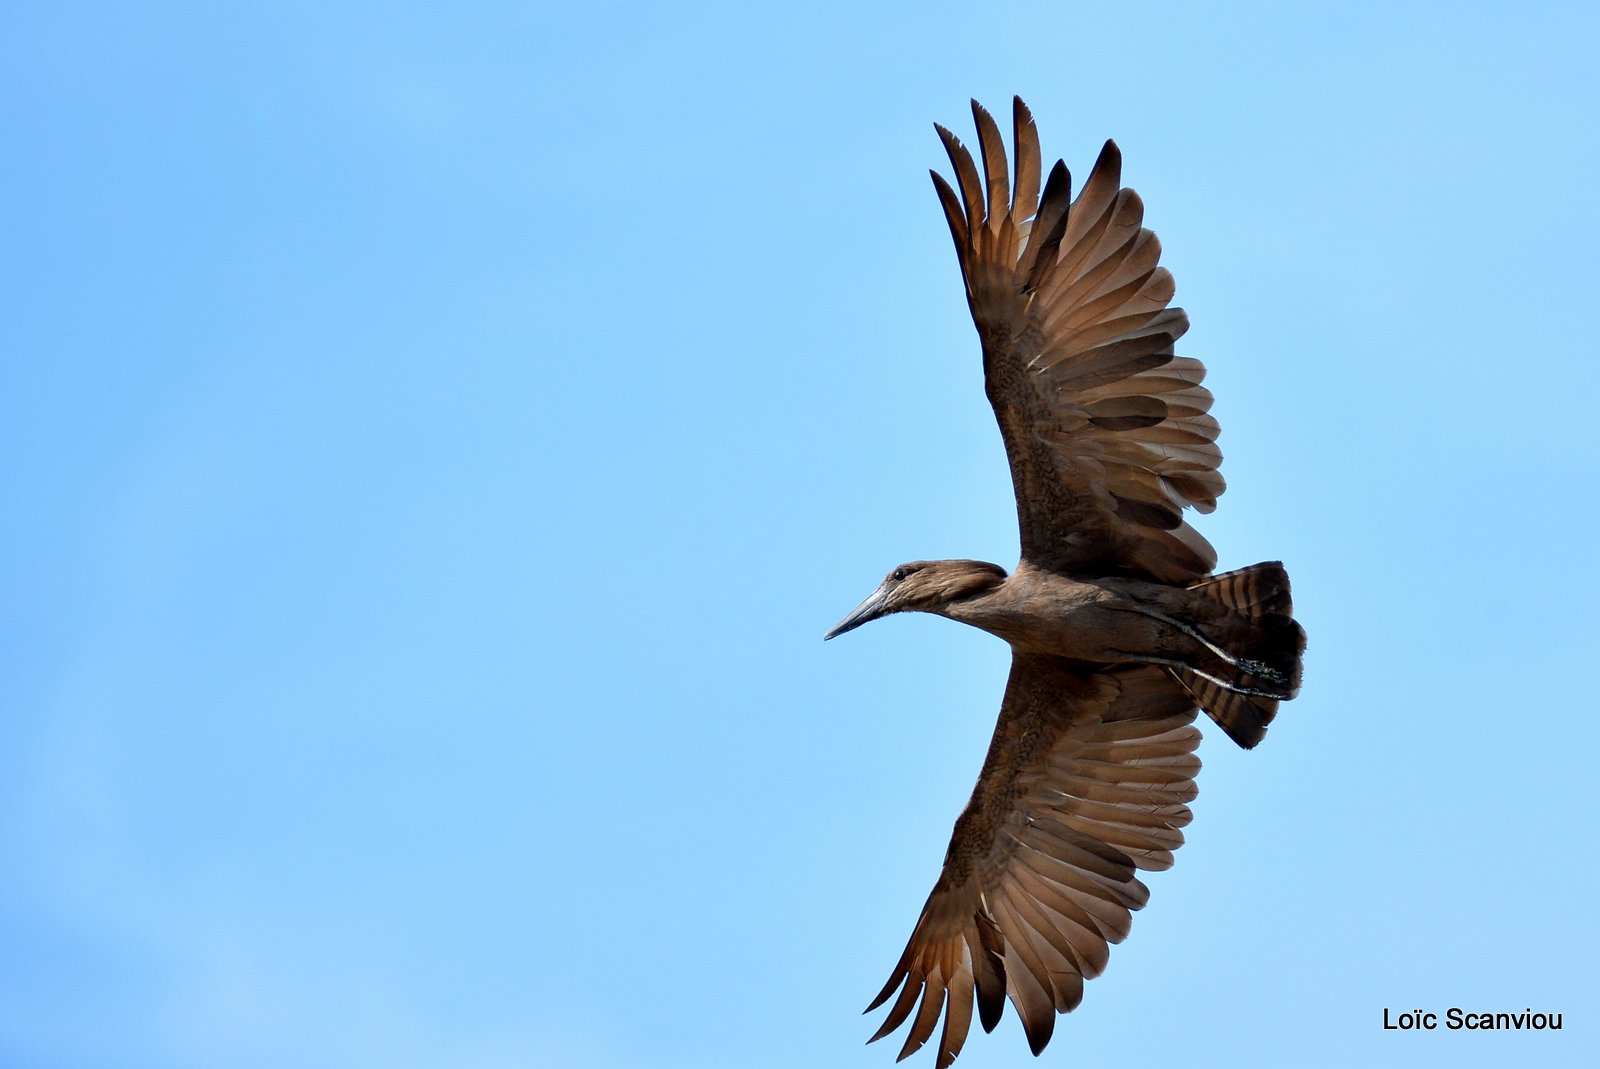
1119	632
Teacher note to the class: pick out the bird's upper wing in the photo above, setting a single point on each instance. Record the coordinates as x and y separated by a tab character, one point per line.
1107	432
1085	781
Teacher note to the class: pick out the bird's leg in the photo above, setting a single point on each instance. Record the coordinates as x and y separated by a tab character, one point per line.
1233	688
1246	665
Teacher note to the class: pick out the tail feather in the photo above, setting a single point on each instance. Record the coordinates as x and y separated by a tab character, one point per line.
1243	717
1261	594
1255	591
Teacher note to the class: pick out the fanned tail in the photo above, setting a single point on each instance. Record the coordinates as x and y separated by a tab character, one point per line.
1272	641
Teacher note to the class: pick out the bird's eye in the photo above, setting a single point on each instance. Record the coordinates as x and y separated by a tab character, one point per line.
898	574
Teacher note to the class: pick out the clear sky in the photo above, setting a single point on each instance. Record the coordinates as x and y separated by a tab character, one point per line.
435	443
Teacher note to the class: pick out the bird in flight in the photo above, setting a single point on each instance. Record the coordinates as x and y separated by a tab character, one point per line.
1119	631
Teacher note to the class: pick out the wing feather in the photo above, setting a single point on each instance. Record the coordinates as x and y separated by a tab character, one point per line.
1049	227
927	1014
901	1008
957	1015
1025	136
966	177
994	163
953	213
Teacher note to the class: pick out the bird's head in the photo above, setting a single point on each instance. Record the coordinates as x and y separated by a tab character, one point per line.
923	586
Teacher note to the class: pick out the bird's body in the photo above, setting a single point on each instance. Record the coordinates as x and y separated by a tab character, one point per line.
1102	620
1119	631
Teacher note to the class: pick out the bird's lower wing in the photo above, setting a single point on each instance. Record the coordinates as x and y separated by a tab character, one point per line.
1086	781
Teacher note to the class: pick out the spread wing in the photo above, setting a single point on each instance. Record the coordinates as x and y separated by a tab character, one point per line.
1085	782
1107	432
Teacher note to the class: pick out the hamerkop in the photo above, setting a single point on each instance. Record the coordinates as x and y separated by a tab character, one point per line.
1119	632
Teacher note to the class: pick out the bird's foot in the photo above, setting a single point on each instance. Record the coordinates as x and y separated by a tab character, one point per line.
1261	671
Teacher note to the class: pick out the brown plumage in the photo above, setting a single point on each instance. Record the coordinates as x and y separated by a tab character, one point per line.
1119	632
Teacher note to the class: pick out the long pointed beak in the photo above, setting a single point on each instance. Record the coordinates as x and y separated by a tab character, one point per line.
870	609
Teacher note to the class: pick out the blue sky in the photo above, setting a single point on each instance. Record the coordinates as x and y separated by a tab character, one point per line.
435	443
